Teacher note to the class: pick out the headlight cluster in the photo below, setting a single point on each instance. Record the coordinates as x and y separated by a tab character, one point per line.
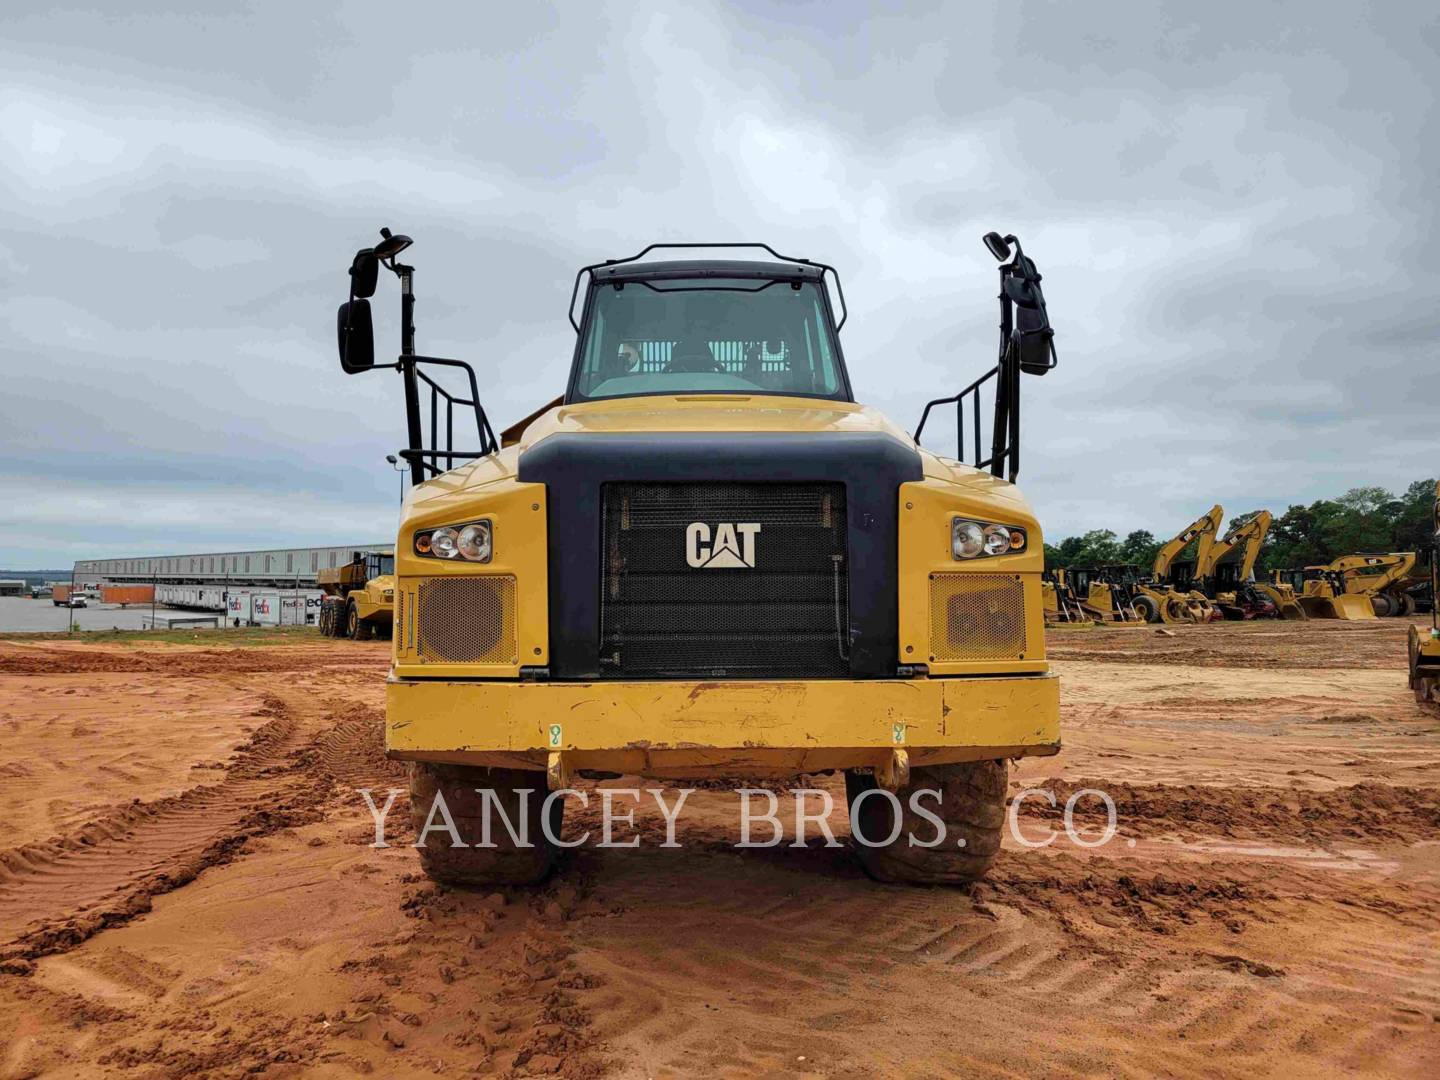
474	542
976	539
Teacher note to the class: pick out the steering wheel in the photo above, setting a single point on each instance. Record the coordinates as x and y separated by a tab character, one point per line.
694	358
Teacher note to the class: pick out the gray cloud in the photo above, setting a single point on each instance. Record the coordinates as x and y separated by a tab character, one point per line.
1233	206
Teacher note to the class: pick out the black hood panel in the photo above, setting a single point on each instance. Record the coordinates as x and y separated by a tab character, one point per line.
574	466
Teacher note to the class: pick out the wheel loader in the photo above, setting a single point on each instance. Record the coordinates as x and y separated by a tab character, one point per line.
705	558
1354	587
359	600
1424	641
1383	578
1320	593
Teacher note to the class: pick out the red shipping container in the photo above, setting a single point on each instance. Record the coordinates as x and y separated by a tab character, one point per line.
127	594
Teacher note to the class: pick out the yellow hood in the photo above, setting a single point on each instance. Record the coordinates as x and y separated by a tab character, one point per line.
704	412
709	412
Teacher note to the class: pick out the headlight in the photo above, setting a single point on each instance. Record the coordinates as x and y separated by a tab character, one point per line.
442	543
976	539
473	542
967	539
997	540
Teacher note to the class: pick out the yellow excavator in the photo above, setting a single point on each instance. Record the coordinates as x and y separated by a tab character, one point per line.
1167	597
1226	571
1424	644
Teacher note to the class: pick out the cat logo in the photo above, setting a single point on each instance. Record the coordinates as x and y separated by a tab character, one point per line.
733	547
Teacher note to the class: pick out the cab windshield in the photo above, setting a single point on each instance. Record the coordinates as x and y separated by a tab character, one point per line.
708	335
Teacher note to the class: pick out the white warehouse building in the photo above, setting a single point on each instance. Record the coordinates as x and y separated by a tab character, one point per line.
248	585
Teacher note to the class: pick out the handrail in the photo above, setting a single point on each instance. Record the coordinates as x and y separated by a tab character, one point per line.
428	458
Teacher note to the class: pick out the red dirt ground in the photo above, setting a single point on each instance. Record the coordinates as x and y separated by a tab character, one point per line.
186	887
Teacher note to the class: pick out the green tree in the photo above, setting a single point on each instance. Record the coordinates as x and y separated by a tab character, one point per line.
1094	548
1139	548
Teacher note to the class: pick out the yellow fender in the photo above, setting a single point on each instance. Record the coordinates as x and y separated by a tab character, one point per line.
1283	599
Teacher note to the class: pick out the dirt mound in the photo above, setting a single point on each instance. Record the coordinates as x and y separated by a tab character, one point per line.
86	659
1364	812
1315	644
1125	893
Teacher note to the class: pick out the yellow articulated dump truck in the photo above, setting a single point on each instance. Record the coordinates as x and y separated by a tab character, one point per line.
707	559
359	600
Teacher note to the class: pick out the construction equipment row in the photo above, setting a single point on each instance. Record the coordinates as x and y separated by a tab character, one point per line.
1218	582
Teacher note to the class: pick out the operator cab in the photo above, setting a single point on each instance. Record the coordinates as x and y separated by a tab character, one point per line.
707	327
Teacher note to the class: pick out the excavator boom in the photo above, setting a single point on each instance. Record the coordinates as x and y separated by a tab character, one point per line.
1239	549
1202	529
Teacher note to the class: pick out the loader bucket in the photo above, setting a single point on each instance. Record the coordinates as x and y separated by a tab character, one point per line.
1350	607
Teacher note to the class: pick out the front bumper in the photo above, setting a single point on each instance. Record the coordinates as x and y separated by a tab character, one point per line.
755	728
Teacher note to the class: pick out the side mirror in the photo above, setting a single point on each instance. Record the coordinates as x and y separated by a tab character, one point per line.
1037	354
364	270
998	247
356	337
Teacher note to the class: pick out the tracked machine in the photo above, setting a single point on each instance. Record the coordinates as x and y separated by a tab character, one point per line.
706	559
1100	599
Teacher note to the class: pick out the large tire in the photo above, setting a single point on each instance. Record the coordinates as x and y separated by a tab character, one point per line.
1147	608
332	615
356	628
505	864
972	805
1384	606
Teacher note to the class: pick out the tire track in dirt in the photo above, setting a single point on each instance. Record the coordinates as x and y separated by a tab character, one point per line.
55	894
1179	949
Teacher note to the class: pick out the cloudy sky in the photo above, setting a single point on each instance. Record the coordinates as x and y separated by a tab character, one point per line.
1234	206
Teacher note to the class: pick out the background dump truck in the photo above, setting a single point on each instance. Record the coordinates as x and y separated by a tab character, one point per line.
359	600
706	559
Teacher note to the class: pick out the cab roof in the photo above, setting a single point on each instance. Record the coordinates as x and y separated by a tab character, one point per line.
715	268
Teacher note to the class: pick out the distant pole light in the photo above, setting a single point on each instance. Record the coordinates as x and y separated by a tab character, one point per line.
400	468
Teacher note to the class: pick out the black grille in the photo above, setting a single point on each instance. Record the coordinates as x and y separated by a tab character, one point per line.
785	616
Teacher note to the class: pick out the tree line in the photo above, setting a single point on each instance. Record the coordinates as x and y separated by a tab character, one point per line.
1368	519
